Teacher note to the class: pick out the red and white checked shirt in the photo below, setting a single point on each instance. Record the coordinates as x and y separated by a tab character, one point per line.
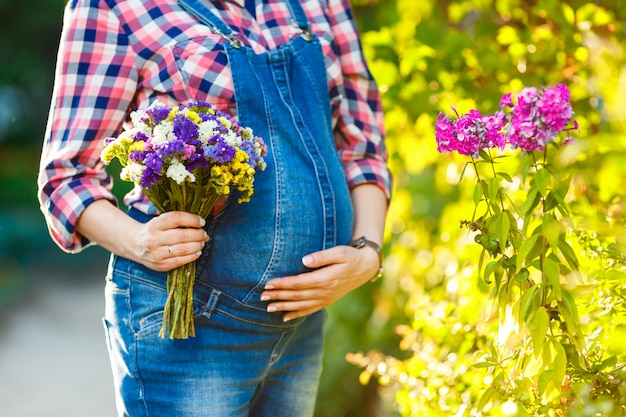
117	56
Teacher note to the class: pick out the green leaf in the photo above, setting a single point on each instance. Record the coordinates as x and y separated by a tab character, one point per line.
569	312
485	364
542	180
556	198
503	226
493	189
485	188
532	199
609	362
551	276
570	307
504	175
551	230
560	362
489	269
485	399
484	155
463	171
481	259
522	275
525	250
544	379
478	193
538	327
568	254
526	302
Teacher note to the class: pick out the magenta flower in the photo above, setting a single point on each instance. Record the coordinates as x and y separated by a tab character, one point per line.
539	117
445	134
506	101
554	107
531	124
470	132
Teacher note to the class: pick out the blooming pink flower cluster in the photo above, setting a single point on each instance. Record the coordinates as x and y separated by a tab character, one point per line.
534	122
470	133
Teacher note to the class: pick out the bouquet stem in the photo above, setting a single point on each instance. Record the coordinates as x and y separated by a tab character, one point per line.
178	315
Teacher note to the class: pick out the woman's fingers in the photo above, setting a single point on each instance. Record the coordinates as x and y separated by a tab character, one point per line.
172	239
178	219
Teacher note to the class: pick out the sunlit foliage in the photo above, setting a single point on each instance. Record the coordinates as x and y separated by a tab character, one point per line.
458	358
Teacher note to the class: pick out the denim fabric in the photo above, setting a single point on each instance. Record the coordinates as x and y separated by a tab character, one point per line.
243	360
234	366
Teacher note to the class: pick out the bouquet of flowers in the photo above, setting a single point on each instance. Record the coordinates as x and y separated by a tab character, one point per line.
185	158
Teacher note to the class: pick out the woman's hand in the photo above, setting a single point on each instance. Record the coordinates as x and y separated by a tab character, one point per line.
170	240
164	243
337	272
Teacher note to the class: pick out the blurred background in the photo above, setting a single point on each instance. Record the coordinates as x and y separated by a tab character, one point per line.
427	55
53	361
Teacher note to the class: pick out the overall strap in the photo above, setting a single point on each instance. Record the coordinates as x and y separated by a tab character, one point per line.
299	19
198	9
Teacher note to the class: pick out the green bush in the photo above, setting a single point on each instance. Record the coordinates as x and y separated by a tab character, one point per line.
461	361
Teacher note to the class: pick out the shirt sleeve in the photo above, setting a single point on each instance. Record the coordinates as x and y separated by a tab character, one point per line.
95	82
360	132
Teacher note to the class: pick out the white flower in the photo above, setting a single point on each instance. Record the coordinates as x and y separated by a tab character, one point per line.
136	117
207	131
138	124
233	139
247	133
179	173
132	172
163	132
127	134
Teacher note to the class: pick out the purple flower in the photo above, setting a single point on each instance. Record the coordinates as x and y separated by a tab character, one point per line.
197	161
169	149
221	152
140	137
185	129
253	157
152	173
137	156
157	114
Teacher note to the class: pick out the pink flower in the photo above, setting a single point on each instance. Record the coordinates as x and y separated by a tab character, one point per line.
554	107
531	124
189	151
444	133
538	117
506	101
470	132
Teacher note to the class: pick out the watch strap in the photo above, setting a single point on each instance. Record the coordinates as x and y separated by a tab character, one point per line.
361	242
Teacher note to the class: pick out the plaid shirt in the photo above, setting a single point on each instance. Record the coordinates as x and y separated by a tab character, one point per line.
116	56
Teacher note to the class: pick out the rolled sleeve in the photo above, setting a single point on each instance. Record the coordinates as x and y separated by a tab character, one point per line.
95	82
359	132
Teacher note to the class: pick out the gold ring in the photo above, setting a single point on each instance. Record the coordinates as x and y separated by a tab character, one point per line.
169	248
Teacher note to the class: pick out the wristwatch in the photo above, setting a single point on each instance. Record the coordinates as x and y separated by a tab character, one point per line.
361	242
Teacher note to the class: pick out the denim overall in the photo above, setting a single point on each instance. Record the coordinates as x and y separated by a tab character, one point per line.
243	360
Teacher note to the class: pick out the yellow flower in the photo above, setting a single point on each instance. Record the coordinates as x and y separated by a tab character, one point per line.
193	116
173	113
137	146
